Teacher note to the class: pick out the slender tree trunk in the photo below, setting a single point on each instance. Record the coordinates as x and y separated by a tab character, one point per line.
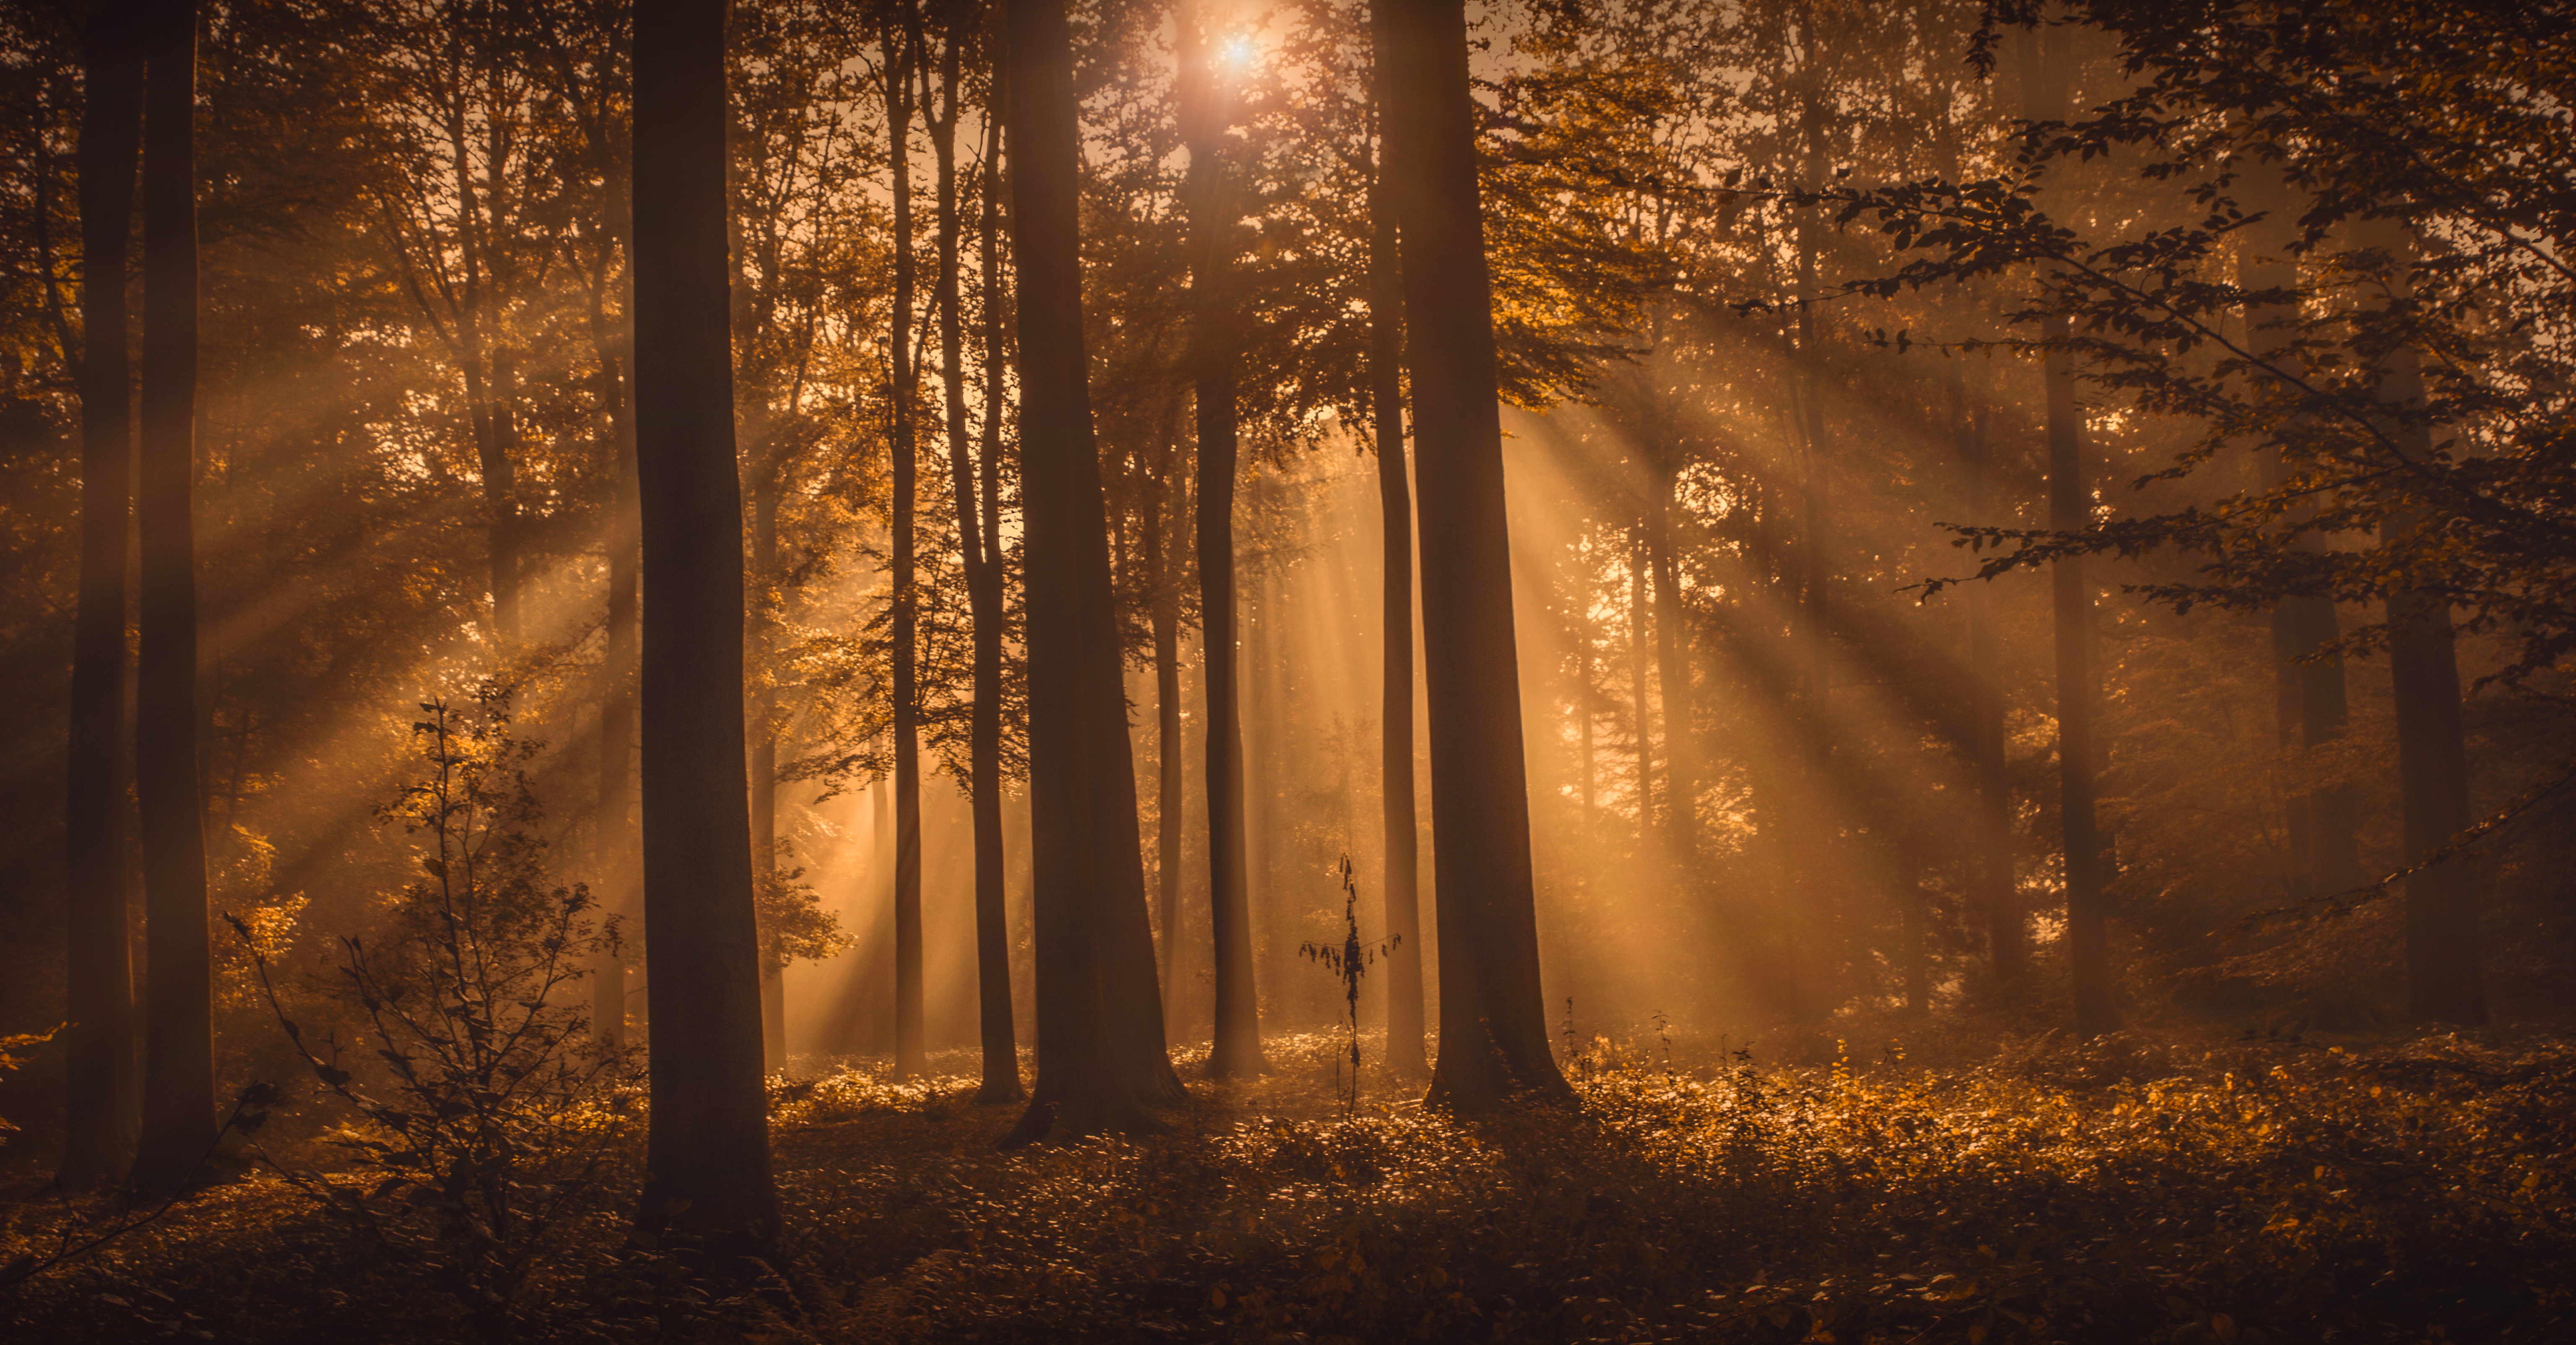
2310	701
2070	510
1172	770
1644	709
1493	1022
2445	982
980	558
1994	895
100	1086
1823	903
487	394
985	600
1236	1050
1405	1029
1672	679
762	648
179	1066
910	1059
1087	871
2044	98
708	1152
1912	901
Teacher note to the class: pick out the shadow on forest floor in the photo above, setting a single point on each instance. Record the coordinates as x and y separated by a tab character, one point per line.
2124	1190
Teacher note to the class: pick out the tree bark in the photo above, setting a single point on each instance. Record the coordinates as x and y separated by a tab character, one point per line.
1206	111
2070	509
1994	894
1086	867
981	555
1173	784
1405	1028
2311	706
2445	981
708	1151
179	1067
761	650
1493	1023
910	1059
100	1086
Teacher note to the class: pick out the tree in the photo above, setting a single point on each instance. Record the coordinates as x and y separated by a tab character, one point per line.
901	372
1207	97
1097	1016
2070	509
708	1150
1404	1025
1493	1023
977	497
179	1063
99	1046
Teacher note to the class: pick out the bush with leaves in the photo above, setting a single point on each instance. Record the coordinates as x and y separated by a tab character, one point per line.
491	1114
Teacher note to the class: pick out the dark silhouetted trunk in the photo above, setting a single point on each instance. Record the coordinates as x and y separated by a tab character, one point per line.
1405	1029
1827	918
98	1056
1994	897
1171	786
1099	1016
1493	1022
980	553
909	1057
762	648
708	1152
2070	509
2311	708
1215	360
178	1052
2445	982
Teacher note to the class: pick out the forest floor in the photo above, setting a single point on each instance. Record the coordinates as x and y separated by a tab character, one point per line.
2416	1188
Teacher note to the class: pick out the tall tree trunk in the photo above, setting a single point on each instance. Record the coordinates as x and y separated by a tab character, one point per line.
1824	906
486	392
910	1059
708	1152
762	648
1643	708
996	1016
2311	707
1172	783
980	558
2445	982
1405	1028
99	1087
1215	361
1493	1021
1094	1017
178	1059
1994	897
1672	677
2070	509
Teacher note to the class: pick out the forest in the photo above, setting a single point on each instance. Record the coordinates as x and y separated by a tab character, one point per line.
1288	671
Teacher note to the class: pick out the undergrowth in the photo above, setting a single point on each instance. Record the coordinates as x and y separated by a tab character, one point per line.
2120	1190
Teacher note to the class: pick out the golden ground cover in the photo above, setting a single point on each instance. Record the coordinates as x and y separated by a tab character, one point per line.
2413	1190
